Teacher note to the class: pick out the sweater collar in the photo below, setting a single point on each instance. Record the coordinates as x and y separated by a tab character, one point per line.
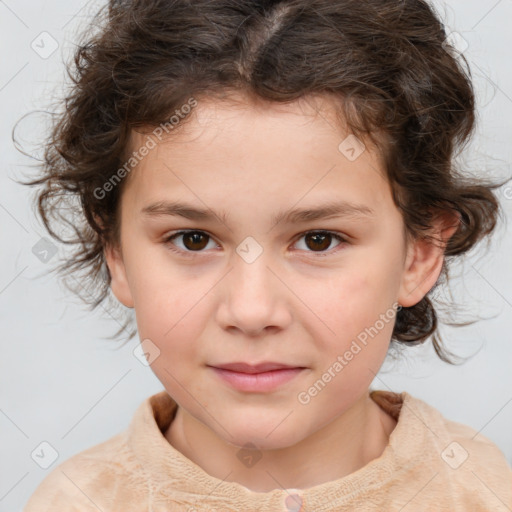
172	477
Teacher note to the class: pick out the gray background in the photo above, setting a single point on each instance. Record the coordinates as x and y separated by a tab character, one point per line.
63	384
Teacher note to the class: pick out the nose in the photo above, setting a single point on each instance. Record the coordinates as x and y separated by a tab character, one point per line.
253	297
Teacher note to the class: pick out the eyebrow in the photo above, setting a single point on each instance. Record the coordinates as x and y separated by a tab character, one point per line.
328	210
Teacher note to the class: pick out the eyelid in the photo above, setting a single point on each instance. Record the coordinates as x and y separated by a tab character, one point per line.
169	236
335	234
343	239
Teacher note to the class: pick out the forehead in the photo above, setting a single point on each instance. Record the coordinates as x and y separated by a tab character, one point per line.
301	151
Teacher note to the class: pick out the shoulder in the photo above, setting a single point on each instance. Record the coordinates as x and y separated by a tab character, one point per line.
82	482
463	463
459	441
464	447
110	475
475	466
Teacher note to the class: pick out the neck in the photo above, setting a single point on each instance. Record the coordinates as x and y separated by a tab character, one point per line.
359	435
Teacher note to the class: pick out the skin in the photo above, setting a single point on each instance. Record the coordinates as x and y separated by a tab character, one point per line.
295	304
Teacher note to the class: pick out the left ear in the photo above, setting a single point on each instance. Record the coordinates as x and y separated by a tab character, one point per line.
425	259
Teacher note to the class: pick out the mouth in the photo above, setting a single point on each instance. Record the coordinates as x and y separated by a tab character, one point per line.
257	378
254	368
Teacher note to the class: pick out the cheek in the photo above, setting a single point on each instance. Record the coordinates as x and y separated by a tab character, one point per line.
165	295
360	315
174	329
171	313
355	313
351	300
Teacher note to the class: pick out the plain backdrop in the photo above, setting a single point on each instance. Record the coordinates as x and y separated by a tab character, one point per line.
62	384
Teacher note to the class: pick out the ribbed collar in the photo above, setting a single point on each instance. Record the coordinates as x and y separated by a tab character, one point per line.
172	477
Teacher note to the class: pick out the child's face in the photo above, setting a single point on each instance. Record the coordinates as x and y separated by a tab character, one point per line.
302	302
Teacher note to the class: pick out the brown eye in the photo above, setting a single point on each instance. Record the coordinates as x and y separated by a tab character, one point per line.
192	241
320	241
195	240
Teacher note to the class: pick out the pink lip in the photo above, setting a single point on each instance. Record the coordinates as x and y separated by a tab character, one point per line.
259	378
253	368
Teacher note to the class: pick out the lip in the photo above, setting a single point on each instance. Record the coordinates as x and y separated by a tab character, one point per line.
260	378
265	366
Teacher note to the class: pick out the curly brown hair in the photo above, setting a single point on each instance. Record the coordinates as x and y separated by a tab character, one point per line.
388	63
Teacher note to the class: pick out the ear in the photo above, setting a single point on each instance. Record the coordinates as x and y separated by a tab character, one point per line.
424	260
119	280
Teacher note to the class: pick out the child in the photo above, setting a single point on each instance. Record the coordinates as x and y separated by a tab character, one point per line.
215	148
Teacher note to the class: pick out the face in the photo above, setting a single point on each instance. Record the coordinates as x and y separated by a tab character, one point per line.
251	279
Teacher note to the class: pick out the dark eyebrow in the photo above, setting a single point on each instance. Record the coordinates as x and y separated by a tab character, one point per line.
326	211
178	209
297	215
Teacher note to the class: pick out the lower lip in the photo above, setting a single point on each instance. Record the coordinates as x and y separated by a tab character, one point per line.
258	382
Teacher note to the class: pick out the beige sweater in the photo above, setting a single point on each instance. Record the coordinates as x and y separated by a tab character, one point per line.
430	464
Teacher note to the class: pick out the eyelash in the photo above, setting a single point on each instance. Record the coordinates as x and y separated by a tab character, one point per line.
192	254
